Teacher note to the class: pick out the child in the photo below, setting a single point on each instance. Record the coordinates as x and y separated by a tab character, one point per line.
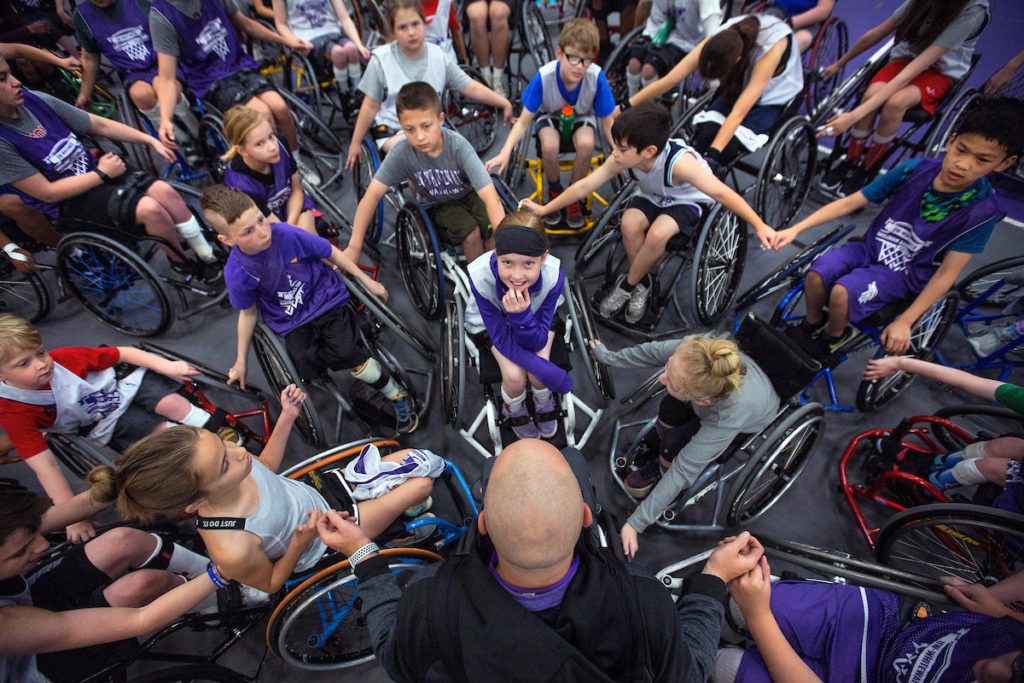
940	213
757	62
493	49
260	165
257	525
75	389
406	59
715	392
660	209
275	272
673	28
516	289
934	44
322	23
805	17
448	176
574	83
443	29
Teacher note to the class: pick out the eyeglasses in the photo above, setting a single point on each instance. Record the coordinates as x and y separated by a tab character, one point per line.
576	60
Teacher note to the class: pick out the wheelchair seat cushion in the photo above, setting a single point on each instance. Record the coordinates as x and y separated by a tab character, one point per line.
490	373
788	367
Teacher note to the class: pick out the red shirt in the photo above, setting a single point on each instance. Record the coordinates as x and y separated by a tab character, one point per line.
430	9
25	423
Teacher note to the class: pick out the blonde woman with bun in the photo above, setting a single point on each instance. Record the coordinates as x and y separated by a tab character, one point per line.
715	392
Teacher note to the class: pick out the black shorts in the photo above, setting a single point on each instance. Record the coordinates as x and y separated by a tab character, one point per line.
686	216
553	121
662	57
114	202
682	423
320	55
238	88
141	419
330	341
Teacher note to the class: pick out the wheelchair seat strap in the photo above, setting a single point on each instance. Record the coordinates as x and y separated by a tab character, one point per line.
219	523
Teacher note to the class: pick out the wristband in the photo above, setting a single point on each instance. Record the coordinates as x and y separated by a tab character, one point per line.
103	176
355	557
215	576
10	248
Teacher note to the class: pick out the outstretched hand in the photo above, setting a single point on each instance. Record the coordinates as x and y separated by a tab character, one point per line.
291	400
877	368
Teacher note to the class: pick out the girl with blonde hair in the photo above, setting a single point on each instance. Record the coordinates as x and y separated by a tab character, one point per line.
715	392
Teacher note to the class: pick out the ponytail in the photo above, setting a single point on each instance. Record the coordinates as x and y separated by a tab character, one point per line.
727	54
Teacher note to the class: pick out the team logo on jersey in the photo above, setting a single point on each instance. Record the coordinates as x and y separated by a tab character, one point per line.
928	661
39	132
291	299
68	155
279	200
898	244
132	41
314	12
101	402
213	38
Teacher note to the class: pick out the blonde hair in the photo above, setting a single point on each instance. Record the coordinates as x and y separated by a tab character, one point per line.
525	219
580	33
17	334
239	121
708	368
155	478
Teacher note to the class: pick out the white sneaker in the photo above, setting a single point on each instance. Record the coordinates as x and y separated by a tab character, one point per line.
252	597
614	300
498	83
637	306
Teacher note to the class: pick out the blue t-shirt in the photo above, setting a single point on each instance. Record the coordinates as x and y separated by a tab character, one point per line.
287	280
604	101
885	186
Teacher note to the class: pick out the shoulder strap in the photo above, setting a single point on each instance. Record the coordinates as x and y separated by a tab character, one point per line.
220	523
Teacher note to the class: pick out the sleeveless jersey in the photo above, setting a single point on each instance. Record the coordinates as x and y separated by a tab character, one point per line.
656	185
277	194
52	147
553	100
483	279
210	50
126	43
781	89
312	19
436	30
956	61
689	28
395	78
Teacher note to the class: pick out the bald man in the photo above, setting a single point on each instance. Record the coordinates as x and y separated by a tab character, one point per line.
531	598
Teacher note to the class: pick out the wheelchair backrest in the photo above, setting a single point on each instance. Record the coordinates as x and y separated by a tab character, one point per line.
788	367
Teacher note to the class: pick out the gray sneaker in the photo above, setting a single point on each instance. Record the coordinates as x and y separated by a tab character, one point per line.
613	302
307	171
637	306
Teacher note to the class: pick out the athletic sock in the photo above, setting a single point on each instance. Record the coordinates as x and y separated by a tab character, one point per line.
183	117
196	417
633	83
966	472
341	76
879	144
513	402
153	116
855	149
541	394
193	234
973	451
355	72
647	82
174	558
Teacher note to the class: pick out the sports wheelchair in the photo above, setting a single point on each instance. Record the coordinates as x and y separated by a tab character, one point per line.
530	45
763	466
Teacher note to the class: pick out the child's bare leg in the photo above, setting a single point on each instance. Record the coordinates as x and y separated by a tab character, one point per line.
549	143
1005	447
895	107
173	406
815	297
158	222
993	469
473	245
634	230
33	223
803	38
866	123
583	141
513	377
544	353
307	221
390	142
499	13
662	229
377	514
477	13
838	311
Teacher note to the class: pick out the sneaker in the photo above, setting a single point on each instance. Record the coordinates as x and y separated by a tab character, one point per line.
855	180
525	429
209	273
803	335
547	428
307	171
555	217
405	415
423	531
835	175
828	345
640	481
943	480
499	84
986	343
417	510
945	461
637	306
575	219
613	302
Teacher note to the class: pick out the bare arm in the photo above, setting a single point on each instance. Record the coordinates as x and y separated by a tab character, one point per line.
981	387
76	509
896	335
866	41
829	212
57	191
361	221
90	71
177	369
515	134
241	556
296	201
246	324
261	32
367	113
680	71
760	76
166	88
578	190
48	471
1010	589
491	200
816	14
348	27
34	54
273	452
263	11
688	170
281	21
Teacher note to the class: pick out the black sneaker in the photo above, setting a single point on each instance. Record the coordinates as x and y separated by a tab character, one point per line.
828	345
208	273
835	176
855	180
640	481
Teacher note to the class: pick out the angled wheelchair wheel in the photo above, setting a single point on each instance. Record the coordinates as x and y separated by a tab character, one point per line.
607	232
320	624
213	144
785	175
25	295
926	334
453	361
684	127
615	65
717	266
584	330
321	145
952	114
999	284
830	44
114	283
776	463
505	193
362	173
971	542
515	169
279	370
533	32
78	453
419	259
301	80
475	121
384	316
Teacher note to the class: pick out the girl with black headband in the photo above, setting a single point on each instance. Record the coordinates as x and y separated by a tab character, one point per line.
516	289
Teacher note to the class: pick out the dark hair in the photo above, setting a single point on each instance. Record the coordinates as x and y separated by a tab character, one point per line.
21	510
1000	119
925	20
227	202
646	124
726	56
417	95
393	6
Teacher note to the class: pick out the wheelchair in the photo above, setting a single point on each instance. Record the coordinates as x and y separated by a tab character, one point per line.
530	45
373	317
755	470
26	295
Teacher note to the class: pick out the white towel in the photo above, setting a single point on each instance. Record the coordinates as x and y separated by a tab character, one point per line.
748	138
370	477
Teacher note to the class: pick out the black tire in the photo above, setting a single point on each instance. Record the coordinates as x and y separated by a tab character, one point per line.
926	334
279	370
784	313
717	266
114	283
362	174
607	230
1001	283
212	145
684	127
974	543
386	317
25	295
785	175
192	673
419	259
320	624
618	60
505	193
983	422
515	169
776	463
79	454
320	144
453	361
301	80
952	114
584	331
475	121
535	41
831	43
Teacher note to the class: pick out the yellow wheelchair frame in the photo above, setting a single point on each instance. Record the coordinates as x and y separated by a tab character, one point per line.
535	171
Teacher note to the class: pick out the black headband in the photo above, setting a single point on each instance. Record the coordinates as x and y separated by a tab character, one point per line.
519	239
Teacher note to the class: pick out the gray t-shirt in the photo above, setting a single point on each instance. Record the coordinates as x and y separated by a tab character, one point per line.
13	166
456	171
19	668
165	38
374	83
83	34
958	39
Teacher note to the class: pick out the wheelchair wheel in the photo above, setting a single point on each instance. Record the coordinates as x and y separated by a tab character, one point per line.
475	121
584	330
362	172
615	65
453	361
830	44
515	169
114	283
607	230
213	144
25	295
386	317
419	258
301	80
786	172
279	370
684	126
1000	283
316	139
926	334
78	453
984	422
536	41
776	463
320	623
943	127
971	542
192	673
505	193
717	266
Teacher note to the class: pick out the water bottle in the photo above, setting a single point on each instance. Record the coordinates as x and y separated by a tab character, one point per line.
567	117
662	35
996	338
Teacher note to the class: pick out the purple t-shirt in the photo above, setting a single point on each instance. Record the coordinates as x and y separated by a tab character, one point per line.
287	280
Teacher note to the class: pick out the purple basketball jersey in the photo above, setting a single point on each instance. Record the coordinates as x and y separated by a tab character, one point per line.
126	43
